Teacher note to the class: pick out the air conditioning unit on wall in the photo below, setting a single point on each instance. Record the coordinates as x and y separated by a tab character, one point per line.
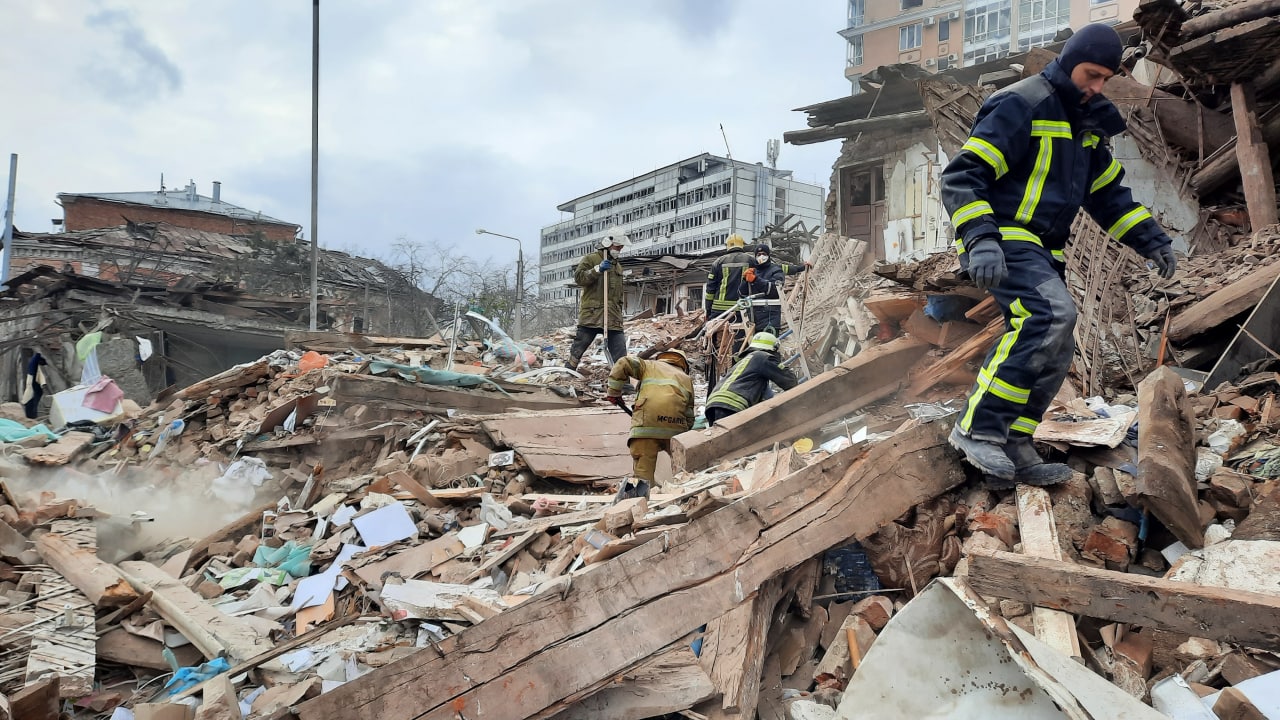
929	21
953	57
954	15
930	62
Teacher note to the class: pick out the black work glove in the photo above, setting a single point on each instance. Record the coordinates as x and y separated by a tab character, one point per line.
1164	259
986	263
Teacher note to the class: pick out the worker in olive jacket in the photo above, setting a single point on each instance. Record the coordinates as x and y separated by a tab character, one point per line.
592	274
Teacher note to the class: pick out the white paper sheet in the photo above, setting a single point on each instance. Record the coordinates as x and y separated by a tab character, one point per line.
386	525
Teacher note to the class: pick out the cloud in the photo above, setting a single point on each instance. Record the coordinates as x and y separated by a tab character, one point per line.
436	117
134	69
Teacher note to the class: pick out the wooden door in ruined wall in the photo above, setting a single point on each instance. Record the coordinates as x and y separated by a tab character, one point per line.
862	207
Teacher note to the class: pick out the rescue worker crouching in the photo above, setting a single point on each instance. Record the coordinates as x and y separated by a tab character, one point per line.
663	409
765	277
748	381
1037	154
591	274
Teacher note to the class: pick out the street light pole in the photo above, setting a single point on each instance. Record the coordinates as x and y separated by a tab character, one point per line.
315	160
519	319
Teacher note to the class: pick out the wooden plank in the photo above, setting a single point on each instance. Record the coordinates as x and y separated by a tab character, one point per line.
231	379
432	398
207	628
528	658
64	643
123	647
872	375
37	701
1166	482
1264	325
1180	120
734	649
97	580
1237	617
1210	312
1040	539
504	554
668	682
415	488
968	350
408	564
578	446
1254	158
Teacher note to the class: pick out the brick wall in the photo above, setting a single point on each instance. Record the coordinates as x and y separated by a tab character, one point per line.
89	214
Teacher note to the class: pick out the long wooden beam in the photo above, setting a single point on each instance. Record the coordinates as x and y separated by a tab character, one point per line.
517	664
1233	616
872	375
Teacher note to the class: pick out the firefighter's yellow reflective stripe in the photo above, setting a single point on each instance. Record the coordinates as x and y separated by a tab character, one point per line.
1010	232
992	368
1025	425
728	397
649	382
1059	255
1051	129
615	384
1035	183
959	246
988	152
1091	140
1128	221
1111	173
972	211
1002	389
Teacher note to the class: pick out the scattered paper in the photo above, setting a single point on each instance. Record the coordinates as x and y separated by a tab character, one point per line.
473	536
386	525
314	590
342	516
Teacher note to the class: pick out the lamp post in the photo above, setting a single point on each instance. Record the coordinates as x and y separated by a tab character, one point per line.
519	280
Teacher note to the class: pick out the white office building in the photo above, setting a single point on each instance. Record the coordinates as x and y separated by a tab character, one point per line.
689	208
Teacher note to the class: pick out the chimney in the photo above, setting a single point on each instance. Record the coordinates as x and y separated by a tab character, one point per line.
217	191
191	190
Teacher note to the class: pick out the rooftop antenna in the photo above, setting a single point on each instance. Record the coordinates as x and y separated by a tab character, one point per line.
727	152
771	149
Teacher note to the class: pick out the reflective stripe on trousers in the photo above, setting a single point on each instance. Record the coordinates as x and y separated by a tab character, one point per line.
1027	365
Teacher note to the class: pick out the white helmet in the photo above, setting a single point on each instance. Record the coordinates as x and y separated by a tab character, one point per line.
614	236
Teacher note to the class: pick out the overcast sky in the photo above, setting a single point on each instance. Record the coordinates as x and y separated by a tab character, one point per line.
436	116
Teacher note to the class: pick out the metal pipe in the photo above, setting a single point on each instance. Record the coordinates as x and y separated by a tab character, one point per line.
7	240
315	159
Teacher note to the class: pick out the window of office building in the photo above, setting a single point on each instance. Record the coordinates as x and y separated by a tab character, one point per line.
909	4
986	30
855	51
1040	20
910	37
944	30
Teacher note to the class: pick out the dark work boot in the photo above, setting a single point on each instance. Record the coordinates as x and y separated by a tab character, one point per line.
988	457
1029	467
